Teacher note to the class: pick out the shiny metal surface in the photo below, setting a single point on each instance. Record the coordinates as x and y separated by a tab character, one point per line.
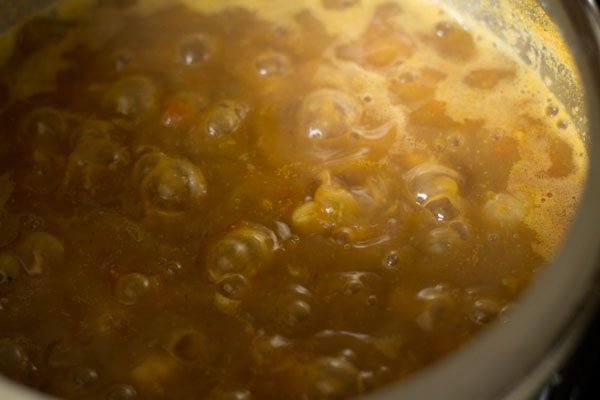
513	358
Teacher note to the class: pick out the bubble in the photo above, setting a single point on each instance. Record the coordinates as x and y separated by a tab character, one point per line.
45	130
10	269
328	114
297	311
455	140
349	355
351	293
96	149
132	97
121	392
173	187
391	260
85	377
170	268
433	293
272	64
353	285
331	377
196	49
232	286
552	111
438	302
270	351
442	209
430	181
40	251
562	124
131	287
485	311
189	346
145	164
14	361
224	119
453	41
283	230
243	251
443	29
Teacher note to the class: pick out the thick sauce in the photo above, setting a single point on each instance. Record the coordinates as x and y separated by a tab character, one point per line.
304	200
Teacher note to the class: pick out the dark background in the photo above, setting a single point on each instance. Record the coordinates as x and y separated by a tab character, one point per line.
580	378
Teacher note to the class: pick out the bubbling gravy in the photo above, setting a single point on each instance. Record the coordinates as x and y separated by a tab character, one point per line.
254	200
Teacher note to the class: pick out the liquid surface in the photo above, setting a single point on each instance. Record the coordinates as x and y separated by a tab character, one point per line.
306	201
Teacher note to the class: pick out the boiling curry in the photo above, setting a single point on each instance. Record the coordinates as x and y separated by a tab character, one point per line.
247	200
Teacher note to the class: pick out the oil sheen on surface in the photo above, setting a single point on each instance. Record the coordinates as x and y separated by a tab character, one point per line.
305	201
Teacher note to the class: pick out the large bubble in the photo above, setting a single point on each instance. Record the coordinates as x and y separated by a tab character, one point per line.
14	360
222	119
272	64
431	181
40	251
132	97
172	187
332	378
196	49
328	114
244	251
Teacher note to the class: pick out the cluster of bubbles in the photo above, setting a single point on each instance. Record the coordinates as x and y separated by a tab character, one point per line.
347	211
237	257
58	155
436	188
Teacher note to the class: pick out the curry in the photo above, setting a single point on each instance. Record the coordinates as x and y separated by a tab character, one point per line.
233	200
